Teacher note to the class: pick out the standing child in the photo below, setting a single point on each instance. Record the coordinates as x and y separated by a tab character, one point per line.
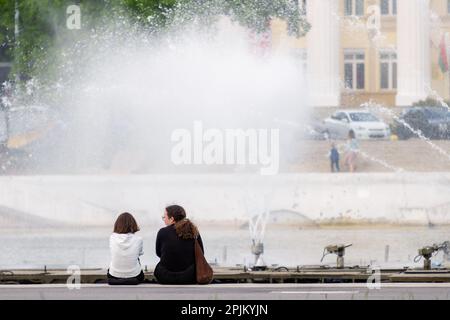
334	158
352	151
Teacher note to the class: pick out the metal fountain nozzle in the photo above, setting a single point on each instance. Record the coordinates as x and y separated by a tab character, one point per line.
257	251
428	252
337	249
258	248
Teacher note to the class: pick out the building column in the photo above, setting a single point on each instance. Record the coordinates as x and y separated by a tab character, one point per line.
323	53
413	51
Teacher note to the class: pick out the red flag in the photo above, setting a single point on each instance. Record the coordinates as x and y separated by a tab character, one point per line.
443	59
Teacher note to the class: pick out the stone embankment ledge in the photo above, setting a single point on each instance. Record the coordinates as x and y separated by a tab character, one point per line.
319	274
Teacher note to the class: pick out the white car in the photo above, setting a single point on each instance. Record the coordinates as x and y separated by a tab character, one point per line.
365	125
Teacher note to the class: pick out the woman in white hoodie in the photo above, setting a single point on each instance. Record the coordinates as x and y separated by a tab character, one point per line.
126	247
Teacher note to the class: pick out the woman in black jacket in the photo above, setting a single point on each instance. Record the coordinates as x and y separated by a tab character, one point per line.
175	246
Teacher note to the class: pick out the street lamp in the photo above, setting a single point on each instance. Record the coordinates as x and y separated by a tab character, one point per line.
16	33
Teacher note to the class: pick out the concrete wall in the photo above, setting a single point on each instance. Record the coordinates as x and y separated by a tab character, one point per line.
398	198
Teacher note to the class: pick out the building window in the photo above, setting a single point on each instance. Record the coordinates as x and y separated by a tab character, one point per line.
388	70
354	69
354	7
389	7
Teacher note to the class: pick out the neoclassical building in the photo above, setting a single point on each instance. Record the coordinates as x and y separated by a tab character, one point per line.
393	52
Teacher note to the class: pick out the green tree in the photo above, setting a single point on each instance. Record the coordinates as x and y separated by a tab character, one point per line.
256	14
42	26
6	29
431	102
43	31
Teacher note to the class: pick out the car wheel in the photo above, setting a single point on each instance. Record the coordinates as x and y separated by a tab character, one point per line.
433	132
403	132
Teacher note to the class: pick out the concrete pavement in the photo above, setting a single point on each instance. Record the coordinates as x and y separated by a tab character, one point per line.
405	291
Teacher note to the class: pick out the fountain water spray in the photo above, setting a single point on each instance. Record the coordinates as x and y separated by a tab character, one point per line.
122	93
379	161
371	105
342	147
429	251
257	227
434	95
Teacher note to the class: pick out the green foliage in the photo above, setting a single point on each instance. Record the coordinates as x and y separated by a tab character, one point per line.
150	12
431	102
253	14
43	23
256	14
6	29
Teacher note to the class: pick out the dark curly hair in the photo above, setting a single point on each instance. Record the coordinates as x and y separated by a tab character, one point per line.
184	228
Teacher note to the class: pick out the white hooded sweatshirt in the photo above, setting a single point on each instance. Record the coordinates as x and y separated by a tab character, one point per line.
125	252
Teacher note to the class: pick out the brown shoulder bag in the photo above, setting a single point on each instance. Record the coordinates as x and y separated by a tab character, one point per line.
203	269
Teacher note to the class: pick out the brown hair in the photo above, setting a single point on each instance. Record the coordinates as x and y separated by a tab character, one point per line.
184	228
126	223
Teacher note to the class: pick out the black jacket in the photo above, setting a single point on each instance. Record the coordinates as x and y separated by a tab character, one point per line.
176	254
